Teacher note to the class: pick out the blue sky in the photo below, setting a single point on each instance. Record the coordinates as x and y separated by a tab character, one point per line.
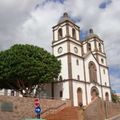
31	22
104	4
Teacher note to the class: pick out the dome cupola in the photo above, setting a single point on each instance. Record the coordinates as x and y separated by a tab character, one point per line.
65	17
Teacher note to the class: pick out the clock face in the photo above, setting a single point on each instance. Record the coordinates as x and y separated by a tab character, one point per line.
60	49
76	49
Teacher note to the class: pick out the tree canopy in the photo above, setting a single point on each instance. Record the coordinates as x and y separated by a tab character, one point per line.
115	98
22	67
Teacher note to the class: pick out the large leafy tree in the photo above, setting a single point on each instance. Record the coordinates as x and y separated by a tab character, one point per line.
23	67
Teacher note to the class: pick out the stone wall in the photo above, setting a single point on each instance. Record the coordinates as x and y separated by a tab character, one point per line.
111	109
18	108
95	110
101	110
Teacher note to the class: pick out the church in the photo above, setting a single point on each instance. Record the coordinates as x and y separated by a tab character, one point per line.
84	73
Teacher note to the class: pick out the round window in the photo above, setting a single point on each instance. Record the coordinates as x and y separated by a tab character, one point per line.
76	49
60	49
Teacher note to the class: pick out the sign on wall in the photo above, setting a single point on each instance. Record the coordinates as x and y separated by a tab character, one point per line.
6	107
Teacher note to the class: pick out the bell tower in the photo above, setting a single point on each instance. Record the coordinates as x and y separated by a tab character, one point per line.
65	28
93	44
66	46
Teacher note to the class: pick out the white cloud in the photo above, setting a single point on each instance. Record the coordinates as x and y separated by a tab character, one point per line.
12	15
109	30
38	29
115	82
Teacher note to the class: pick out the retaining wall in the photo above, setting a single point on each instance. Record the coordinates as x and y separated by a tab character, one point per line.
17	108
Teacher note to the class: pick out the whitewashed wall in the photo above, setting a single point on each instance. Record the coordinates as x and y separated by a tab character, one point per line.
84	48
77	85
104	76
77	69
64	67
62	86
73	45
104	60
64	47
106	90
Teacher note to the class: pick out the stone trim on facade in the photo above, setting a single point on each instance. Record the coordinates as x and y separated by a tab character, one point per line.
70	74
55	43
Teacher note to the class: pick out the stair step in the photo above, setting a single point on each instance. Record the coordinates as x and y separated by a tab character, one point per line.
69	113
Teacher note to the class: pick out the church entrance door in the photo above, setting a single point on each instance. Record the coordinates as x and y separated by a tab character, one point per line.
106	96
79	95
94	93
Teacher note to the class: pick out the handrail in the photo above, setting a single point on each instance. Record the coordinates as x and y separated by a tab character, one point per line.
53	108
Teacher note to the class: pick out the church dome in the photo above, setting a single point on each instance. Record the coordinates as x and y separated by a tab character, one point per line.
91	34
65	17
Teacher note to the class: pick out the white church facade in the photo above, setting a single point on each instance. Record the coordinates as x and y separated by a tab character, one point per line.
84	74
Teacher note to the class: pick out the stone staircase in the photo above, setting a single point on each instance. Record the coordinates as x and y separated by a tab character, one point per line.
68	113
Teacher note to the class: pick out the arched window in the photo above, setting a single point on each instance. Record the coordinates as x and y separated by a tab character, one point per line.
78	77
61	93
60	33
79	96
100	47
73	33
60	49
105	84
102	60
94	92
92	72
60	78
106	96
88	46
104	71
77	62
